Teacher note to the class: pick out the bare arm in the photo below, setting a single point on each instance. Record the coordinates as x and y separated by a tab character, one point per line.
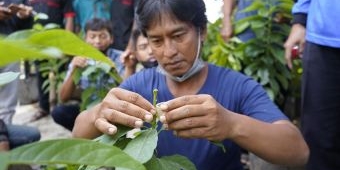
68	85
200	116
227	28
69	24
279	142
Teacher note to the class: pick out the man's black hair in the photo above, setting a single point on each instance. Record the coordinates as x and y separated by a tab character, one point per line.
189	11
97	24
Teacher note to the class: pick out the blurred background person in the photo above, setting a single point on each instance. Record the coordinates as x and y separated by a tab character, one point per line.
88	9
61	13
11	21
98	33
142	55
315	32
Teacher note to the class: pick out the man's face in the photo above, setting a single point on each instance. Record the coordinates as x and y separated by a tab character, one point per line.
99	39
143	50
174	44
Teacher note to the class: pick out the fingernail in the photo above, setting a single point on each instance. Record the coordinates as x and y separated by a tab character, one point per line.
112	130
175	133
162	118
153	111
138	123
148	117
165	126
162	106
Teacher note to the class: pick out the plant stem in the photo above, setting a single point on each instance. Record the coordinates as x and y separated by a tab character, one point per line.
154	102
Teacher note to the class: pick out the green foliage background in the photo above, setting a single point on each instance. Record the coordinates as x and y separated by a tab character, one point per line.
262	57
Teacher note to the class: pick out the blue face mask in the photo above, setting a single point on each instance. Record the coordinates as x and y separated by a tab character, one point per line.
196	67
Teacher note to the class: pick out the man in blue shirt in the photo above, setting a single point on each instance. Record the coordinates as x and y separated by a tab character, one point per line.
201	102
316	32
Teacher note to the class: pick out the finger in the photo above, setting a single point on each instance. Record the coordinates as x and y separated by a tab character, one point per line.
105	127
132	104
191	133
187	111
288	56
187	123
133	98
180	101
117	117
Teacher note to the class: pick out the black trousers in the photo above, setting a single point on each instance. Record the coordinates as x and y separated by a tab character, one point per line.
320	121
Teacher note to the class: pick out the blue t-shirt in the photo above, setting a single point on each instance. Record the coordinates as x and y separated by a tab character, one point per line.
232	90
322	21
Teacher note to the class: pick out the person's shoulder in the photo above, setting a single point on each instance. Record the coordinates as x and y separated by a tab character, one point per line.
114	51
228	75
147	72
223	71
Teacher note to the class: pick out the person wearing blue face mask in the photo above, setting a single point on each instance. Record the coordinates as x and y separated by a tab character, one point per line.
201	102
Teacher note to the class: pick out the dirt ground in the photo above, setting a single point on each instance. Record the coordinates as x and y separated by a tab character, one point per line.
48	128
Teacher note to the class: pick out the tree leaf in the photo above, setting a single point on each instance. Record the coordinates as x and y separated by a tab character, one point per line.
175	162
142	147
69	43
111	140
15	50
72	151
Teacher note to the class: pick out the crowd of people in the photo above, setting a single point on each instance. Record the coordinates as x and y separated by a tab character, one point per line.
158	44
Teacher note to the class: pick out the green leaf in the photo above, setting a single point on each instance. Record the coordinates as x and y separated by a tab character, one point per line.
111	140
239	28
283	81
4	159
77	75
264	76
69	43
249	70
270	93
104	66
89	70
72	151
263	12
15	50
7	77
254	6
142	147
219	144
175	162
20	35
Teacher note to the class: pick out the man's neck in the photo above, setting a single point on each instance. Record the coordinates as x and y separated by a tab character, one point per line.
190	86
